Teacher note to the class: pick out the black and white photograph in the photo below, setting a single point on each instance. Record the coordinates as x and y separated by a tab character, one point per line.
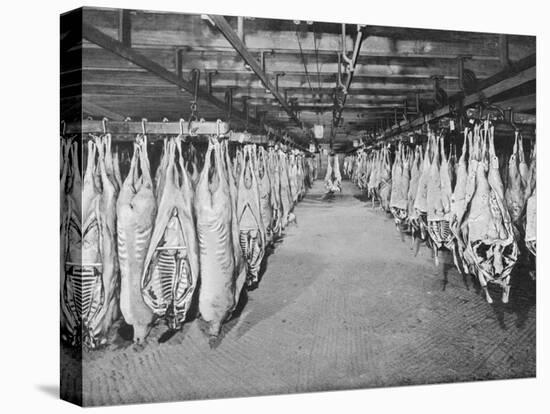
256	206
286	207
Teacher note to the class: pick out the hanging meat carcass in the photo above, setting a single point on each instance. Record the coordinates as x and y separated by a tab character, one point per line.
273	167
300	176
171	268
531	209
136	211
400	185
333	179
531	223
293	178
160	174
374	176
412	213
91	274
251	228
421	198
70	240
458	203
286	197
385	180
264	184
515	190
438	197
490	247
222	277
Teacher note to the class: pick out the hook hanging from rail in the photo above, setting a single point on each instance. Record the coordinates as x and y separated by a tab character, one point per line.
104	124
144	126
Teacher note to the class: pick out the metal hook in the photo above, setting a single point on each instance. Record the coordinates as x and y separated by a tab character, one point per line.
143	125
182	121
63	124
218	127
104	124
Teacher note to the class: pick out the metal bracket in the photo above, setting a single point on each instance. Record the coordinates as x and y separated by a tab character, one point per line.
209	75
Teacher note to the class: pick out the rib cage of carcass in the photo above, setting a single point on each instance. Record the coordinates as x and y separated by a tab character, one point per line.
171	269
148	253
483	226
252	235
90	283
438	200
400	185
333	178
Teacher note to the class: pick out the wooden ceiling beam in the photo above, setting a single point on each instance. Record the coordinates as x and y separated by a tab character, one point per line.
223	26
108	43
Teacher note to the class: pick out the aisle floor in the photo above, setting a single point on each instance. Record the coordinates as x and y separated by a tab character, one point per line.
344	303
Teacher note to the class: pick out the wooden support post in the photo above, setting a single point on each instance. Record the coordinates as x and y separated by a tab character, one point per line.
179	63
503	49
125	27
240	28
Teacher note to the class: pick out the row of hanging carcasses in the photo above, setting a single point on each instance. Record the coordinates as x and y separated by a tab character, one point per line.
463	205
159	247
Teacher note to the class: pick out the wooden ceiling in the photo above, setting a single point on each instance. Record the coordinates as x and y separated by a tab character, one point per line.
395	69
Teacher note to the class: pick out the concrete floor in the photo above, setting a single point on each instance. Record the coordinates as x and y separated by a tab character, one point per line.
343	303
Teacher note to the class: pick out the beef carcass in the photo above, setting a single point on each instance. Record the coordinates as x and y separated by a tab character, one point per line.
136	211
252	236
222	277
171	269
490	247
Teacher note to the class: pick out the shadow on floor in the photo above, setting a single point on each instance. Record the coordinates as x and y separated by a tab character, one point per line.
51	390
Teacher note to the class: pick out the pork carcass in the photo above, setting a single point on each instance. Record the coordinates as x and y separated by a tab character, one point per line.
171	269
136	212
490	247
221	275
251	228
